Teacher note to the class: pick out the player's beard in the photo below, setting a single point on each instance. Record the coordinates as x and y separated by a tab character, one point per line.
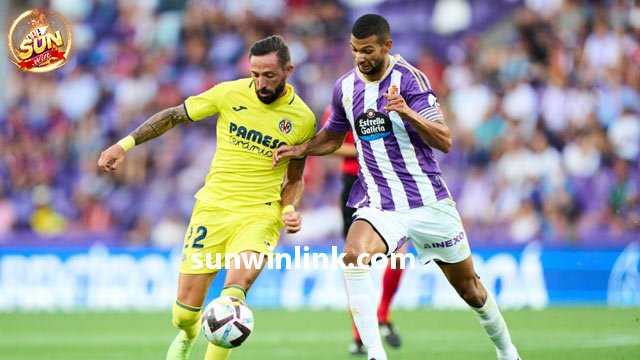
374	68
267	96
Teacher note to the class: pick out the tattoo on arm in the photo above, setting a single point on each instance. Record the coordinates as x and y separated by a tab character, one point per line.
159	123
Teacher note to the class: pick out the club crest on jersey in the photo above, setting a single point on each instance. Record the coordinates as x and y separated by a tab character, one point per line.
285	126
433	101
373	125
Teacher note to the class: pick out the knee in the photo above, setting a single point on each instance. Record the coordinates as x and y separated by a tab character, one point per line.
352	254
473	295
183	316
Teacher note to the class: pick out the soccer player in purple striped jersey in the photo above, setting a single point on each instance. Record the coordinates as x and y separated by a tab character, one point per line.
400	195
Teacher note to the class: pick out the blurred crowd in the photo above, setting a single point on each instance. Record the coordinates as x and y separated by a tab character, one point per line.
548	133
543	103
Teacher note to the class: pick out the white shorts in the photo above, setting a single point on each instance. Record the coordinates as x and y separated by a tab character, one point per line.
435	230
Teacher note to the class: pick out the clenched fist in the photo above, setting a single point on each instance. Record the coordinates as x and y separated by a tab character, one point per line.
111	158
292	222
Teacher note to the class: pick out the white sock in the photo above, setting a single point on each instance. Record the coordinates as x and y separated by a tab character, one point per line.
363	308
494	325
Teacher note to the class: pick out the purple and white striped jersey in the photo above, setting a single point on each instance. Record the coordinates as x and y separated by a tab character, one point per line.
397	168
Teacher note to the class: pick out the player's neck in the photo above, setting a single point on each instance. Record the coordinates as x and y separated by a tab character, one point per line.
377	76
284	92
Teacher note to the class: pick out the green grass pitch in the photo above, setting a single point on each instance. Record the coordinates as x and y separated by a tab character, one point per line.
557	333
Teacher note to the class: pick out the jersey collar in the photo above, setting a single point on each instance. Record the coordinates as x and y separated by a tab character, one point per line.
288	97
392	61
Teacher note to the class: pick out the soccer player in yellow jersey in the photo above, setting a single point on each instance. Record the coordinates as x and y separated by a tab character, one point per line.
244	202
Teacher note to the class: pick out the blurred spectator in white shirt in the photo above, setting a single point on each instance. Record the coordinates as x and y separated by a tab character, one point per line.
624	135
582	157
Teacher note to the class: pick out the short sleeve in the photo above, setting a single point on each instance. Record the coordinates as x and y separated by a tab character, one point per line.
337	122
205	104
309	130
421	98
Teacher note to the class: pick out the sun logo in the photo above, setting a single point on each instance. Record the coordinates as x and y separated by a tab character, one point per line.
39	40
285	126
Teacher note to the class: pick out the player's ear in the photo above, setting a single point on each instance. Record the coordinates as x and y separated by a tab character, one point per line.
288	70
388	44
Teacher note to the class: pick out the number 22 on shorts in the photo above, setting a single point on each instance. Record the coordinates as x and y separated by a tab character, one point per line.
201	233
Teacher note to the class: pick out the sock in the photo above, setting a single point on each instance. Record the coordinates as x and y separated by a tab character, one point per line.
494	325
186	318
216	352
363	309
390	282
356	334
235	291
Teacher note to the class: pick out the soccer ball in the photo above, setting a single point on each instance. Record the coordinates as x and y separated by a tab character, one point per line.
227	322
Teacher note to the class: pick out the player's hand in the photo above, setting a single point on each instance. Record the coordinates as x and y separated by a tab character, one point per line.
111	158
292	222
396	103
286	151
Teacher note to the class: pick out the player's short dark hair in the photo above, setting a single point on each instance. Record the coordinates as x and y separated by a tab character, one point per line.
272	44
371	24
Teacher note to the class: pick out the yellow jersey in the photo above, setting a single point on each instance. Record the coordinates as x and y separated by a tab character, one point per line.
248	131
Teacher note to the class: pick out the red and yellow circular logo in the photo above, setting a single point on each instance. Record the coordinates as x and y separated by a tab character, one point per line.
40	40
285	126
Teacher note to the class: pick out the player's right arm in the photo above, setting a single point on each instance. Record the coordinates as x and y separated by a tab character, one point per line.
347	150
160	123
328	140
153	127
325	142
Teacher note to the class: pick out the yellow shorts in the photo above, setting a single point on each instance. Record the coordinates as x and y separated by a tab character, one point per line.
214	231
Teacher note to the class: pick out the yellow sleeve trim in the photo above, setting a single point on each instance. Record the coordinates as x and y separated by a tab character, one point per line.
127	143
288	209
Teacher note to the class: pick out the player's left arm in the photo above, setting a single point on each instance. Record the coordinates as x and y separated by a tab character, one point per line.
291	195
435	133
